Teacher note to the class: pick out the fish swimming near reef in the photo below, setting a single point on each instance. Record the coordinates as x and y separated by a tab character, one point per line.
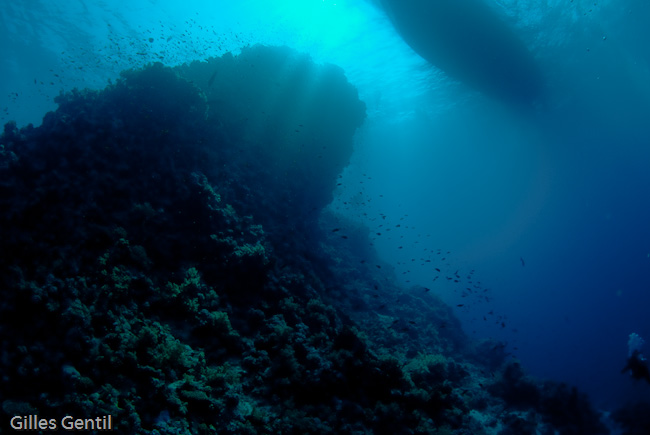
470	42
211	80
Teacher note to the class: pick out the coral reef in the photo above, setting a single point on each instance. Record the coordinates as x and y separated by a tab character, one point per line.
163	262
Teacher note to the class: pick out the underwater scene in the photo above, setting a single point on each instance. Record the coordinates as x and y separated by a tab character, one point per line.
325	217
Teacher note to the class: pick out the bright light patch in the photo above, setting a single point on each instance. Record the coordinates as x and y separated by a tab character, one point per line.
321	23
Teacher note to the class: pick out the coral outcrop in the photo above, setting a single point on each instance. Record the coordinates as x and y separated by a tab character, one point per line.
162	262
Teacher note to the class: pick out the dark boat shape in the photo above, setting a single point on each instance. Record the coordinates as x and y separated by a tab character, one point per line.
468	40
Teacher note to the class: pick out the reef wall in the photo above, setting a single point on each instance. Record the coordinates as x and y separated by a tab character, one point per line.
162	262
292	120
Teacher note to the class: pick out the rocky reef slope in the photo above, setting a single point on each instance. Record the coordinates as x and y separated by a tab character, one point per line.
165	260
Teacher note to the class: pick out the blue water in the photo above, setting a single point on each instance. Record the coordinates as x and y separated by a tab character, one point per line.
547	212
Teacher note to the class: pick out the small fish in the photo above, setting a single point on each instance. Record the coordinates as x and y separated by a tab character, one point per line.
460	305
212	77
335	230
523	263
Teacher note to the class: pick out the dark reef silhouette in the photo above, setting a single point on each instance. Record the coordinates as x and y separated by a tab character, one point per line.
165	260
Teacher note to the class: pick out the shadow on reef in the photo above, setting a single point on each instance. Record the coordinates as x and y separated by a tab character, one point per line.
162	262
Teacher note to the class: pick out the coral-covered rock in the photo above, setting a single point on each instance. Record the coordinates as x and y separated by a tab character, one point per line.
161	262
293	123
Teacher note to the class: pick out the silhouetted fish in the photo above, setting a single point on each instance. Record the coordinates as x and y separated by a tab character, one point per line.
212	77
